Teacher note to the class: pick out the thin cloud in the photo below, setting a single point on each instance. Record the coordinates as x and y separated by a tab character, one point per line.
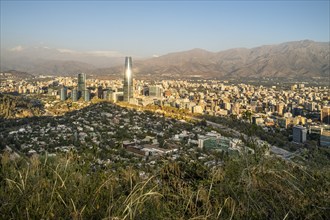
98	53
66	51
105	53
17	48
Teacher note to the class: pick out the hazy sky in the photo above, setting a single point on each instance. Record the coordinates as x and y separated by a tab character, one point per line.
145	28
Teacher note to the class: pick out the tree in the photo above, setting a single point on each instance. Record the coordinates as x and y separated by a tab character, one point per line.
247	115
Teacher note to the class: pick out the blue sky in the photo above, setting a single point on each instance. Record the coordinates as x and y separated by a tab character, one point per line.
145	28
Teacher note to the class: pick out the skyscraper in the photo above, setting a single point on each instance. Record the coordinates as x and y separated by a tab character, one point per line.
63	94
81	84
74	95
128	80
87	95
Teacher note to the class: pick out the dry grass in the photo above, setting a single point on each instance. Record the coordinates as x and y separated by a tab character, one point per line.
52	188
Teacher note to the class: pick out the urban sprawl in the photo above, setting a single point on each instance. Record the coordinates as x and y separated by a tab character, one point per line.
301	109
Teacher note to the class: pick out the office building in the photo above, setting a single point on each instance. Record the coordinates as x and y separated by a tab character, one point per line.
156	91
63	93
87	95
100	92
106	94
117	97
81	84
128	80
74	95
299	134
325	115
280	108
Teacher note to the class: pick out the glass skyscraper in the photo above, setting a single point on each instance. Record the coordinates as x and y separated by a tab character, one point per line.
128	80
81	84
74	95
63	93
87	96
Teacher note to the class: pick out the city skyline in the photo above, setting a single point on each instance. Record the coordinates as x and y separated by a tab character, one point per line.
224	114
156	28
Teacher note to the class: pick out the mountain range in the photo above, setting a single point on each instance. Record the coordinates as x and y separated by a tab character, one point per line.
291	59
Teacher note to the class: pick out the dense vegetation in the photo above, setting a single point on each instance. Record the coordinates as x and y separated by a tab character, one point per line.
250	187
12	106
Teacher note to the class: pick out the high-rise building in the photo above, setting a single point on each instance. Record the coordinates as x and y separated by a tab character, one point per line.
156	91
280	108
106	93
100	92
325	115
87	95
74	95
63	94
81	84
128	80
299	134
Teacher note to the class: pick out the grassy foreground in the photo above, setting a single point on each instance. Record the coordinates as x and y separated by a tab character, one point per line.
68	187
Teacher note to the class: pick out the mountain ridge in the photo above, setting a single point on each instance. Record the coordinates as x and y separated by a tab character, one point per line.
290	59
304	58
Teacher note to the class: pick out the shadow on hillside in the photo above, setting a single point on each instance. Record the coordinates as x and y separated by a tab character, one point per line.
18	122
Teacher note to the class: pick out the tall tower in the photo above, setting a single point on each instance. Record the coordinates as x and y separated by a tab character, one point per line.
81	81
81	87
74	95
63	93
128	80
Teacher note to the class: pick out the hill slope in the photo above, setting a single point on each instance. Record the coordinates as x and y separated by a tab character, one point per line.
292	59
